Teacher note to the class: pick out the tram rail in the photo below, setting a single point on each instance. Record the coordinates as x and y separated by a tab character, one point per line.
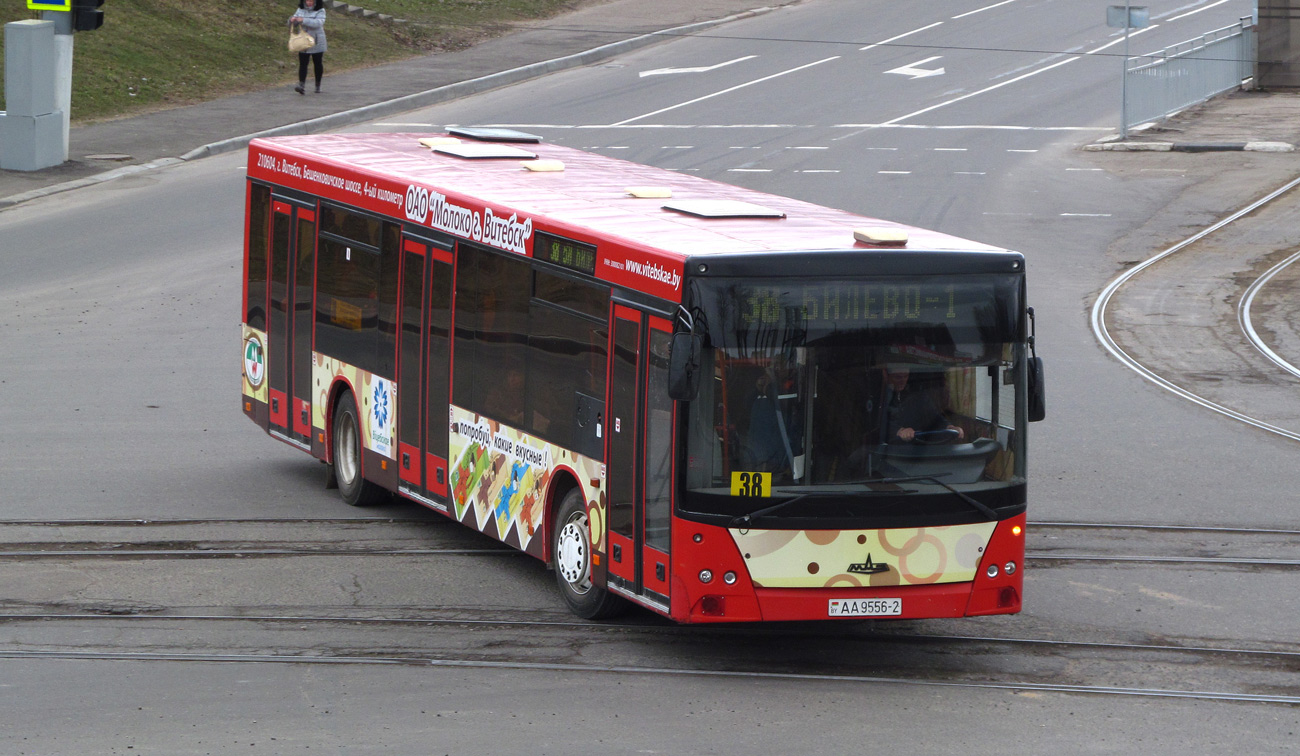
1048	542
939	659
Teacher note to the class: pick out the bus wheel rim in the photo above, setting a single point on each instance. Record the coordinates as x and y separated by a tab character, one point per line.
572	557
347	461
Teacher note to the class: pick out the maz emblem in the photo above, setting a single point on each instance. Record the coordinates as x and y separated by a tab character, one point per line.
869	567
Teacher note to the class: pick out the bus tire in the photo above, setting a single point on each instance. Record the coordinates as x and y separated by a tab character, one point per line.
571	547
346	443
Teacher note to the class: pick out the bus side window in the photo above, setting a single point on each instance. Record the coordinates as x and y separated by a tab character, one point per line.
259	218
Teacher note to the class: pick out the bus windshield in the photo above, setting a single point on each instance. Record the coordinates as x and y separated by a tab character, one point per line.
854	395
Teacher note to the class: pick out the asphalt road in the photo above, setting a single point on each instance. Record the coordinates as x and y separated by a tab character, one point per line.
120	309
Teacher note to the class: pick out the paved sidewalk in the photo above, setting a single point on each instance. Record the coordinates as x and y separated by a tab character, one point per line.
594	33
1236	121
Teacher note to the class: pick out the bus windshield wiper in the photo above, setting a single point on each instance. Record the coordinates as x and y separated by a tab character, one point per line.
971	500
745	520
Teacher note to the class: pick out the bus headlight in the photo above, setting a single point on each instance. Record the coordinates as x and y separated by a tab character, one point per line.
1009	568
992	571
729	578
706	576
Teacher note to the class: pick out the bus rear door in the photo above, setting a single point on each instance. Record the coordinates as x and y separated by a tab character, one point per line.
639	458
288	354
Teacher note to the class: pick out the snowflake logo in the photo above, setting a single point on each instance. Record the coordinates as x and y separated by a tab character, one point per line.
381	404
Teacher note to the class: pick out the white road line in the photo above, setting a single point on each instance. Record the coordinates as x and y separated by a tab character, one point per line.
1021	77
1099	329
807	148
951	149
981	10
969	173
895	173
1022	150
798	126
1198	10
729	89
912	71
881	149
677	147
971	127
749	170
819	170
695	69
904	34
1085	169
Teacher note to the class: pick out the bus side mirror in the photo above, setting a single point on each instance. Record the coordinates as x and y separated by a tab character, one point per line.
1037	393
684	366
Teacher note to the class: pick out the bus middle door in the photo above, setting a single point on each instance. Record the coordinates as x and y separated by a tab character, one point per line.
639	460
424	355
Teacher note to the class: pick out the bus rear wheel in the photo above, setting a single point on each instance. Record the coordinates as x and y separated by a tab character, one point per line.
354	488
571	547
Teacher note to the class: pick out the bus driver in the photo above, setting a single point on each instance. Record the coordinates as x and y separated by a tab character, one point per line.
910	412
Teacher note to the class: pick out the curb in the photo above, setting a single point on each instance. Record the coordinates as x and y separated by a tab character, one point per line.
399	105
1189	147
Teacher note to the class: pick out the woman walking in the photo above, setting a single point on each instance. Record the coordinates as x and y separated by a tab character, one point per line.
312	17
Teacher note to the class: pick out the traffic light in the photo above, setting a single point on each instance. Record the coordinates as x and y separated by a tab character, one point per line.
86	15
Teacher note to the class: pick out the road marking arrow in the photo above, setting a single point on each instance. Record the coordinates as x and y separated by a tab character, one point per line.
918	73
697	69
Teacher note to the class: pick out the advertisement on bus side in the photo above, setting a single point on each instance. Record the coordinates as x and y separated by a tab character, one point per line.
500	476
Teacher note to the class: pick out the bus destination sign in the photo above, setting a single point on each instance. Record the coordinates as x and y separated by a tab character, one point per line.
565	252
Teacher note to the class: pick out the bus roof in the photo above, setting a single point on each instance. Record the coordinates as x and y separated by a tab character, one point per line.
589	199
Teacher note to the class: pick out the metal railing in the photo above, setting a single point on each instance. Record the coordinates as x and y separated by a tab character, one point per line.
1159	85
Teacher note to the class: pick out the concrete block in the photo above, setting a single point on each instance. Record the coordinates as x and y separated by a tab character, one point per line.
1269	147
30	68
30	143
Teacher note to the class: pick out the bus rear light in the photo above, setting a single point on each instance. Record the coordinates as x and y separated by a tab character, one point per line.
713	606
248	406
1016	530
1007	597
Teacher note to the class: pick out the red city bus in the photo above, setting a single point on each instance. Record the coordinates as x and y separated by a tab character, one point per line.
715	403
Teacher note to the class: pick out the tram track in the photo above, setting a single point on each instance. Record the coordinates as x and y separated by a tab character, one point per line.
1258	675
1048	543
1178	384
354	591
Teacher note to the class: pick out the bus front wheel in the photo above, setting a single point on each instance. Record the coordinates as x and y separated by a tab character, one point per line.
354	488
571	547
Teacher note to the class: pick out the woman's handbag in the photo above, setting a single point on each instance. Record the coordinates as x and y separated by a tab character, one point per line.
300	40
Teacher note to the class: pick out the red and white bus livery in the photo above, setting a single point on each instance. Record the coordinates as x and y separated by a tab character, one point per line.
717	404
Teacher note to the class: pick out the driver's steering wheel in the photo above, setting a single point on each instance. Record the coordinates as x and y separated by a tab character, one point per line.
941	436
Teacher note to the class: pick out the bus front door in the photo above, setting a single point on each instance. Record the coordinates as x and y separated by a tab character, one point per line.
639	458
424	370
288	354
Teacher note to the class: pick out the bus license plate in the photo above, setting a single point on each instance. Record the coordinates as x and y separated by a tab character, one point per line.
872	607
